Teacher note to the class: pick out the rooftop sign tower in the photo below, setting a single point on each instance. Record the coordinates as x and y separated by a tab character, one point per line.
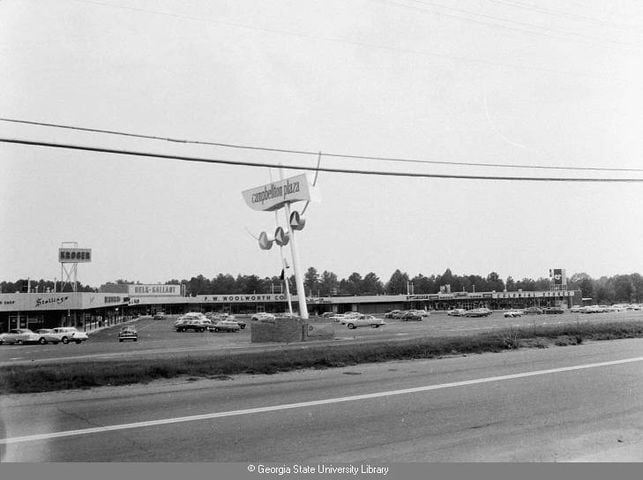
69	256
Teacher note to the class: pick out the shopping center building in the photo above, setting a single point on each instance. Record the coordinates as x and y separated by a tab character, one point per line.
80	309
48	310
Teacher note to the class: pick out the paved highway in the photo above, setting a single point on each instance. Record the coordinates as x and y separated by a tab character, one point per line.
582	403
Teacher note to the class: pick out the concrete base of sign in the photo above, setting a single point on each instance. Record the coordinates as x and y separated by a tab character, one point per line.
289	330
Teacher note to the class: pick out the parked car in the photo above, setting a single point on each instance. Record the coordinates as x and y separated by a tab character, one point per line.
347	317
259	316
364	321
19	336
194	321
412	315
242	323
225	326
392	314
513	313
192	315
533	311
478	312
421	313
128	333
70	334
159	316
196	325
554	310
590	309
457	312
215	317
48	335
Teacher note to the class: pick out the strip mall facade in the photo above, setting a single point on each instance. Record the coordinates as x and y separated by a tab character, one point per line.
47	310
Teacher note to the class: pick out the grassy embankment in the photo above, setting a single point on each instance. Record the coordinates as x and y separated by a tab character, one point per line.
50	377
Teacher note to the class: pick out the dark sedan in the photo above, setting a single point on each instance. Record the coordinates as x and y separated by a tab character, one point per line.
554	310
128	333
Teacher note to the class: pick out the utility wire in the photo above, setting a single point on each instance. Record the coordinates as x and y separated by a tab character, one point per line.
305	167
310	153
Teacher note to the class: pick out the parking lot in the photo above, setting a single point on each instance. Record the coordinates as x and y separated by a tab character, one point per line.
158	338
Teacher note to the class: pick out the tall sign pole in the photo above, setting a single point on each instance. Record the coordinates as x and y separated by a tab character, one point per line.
296	264
284	262
299	279
275	196
284	266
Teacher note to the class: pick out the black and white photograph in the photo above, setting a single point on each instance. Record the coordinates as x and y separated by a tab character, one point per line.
320	238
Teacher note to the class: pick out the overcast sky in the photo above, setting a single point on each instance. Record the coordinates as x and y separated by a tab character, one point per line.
516	82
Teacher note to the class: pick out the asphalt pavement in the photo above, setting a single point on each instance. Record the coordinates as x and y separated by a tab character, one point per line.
158	338
581	403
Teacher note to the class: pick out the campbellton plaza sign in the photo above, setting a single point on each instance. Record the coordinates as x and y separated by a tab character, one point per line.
276	194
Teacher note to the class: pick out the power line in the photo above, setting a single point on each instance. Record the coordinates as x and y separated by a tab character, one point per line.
310	153
309	168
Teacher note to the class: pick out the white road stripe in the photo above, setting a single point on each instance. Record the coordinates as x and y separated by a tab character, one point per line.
328	401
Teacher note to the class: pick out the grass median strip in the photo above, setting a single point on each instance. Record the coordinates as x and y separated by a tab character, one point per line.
63	376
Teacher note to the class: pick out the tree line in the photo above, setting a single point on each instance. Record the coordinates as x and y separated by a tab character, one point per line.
604	290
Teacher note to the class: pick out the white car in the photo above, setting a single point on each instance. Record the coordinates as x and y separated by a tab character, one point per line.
225	326
19	336
70	334
513	313
363	321
478	312
216	317
47	335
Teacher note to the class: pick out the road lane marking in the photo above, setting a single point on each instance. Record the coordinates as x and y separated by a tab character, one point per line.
288	406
